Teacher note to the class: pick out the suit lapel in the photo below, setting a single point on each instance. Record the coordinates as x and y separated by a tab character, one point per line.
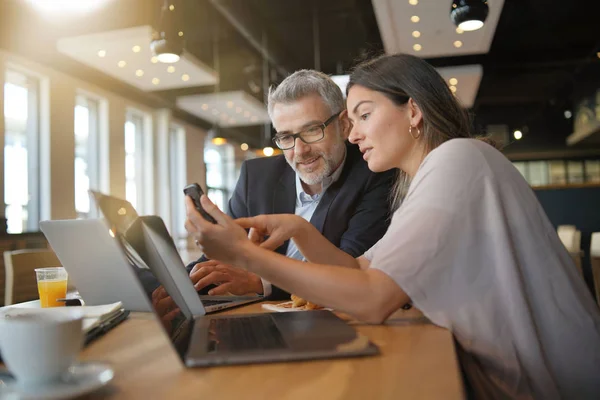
284	198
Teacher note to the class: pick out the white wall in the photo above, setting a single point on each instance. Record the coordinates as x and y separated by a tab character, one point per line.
57	93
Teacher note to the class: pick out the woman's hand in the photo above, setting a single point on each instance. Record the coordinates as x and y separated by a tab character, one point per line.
276	228
221	241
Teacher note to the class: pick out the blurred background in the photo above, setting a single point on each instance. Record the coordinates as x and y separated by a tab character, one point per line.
136	98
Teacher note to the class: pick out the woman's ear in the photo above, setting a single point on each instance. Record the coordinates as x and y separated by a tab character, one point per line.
415	113
345	124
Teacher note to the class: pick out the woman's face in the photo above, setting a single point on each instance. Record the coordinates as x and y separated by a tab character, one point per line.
380	128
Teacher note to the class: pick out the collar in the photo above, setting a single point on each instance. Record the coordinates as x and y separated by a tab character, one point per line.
302	196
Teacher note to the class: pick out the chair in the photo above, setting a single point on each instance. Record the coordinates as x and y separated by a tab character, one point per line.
571	239
595	260
20	280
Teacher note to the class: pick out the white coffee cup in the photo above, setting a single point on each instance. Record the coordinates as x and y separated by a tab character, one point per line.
39	345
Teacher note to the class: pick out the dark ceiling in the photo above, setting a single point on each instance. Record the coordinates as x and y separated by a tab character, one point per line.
543	58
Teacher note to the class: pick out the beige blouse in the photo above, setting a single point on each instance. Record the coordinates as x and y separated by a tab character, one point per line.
474	250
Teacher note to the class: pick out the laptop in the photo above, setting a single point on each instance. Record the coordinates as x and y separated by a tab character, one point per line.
135	233
205	340
96	263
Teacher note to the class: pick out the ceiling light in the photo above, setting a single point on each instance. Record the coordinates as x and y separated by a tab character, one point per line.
167	47
253	118
170	69
247	114
417	47
218	141
204	106
121	64
231	121
413	2
457	44
469	15
185	77
101	53
238	110
459	31
180	33
518	135
67	6
136	49
139	72
154	60
568	114
155	81
230	104
214	135
453	81
415	18
268	151
453	89
166	51
244	146
416	34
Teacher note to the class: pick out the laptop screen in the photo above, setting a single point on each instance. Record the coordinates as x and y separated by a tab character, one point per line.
157	264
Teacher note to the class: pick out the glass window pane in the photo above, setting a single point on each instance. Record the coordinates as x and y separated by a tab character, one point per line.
218	197
83	125
133	166
558	173
592	171
20	152
538	173
575	171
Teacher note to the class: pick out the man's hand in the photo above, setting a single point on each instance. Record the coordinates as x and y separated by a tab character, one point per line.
228	279
165	307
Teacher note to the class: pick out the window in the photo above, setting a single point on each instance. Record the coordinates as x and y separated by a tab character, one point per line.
21	156
592	171
558	174
575	171
220	171
134	137
177	178
86	152
538	173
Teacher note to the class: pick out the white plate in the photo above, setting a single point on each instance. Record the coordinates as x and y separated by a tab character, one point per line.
80	379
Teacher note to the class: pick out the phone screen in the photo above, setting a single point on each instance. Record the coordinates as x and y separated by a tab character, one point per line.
195	191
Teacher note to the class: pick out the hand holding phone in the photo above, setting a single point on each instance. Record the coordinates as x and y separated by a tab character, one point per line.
194	191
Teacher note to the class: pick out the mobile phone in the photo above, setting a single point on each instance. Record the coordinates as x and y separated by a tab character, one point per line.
195	191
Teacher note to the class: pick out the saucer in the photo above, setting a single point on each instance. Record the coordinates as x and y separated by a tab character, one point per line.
81	378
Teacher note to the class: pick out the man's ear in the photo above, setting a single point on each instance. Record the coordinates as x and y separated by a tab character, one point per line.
345	124
415	113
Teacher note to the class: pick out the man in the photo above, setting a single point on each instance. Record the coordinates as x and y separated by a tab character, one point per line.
319	177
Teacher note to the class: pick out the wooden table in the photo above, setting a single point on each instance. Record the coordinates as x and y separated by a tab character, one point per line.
417	361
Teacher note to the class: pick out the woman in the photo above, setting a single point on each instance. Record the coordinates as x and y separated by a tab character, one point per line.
470	245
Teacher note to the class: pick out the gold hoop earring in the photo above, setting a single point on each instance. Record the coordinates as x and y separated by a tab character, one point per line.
410	127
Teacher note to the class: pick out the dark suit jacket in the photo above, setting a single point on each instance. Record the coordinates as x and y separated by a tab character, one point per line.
353	213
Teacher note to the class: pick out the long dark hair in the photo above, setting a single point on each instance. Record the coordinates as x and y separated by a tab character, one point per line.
402	76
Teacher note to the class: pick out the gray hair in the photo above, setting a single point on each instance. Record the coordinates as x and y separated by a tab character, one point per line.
303	83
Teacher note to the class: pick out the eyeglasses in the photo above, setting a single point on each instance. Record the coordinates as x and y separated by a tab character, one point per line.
309	135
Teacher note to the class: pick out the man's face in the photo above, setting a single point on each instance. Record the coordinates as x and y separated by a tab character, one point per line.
315	161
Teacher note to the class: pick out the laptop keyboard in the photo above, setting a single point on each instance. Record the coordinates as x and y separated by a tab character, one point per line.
245	333
207	303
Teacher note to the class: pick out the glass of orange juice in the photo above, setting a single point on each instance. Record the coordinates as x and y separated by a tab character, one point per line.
52	285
